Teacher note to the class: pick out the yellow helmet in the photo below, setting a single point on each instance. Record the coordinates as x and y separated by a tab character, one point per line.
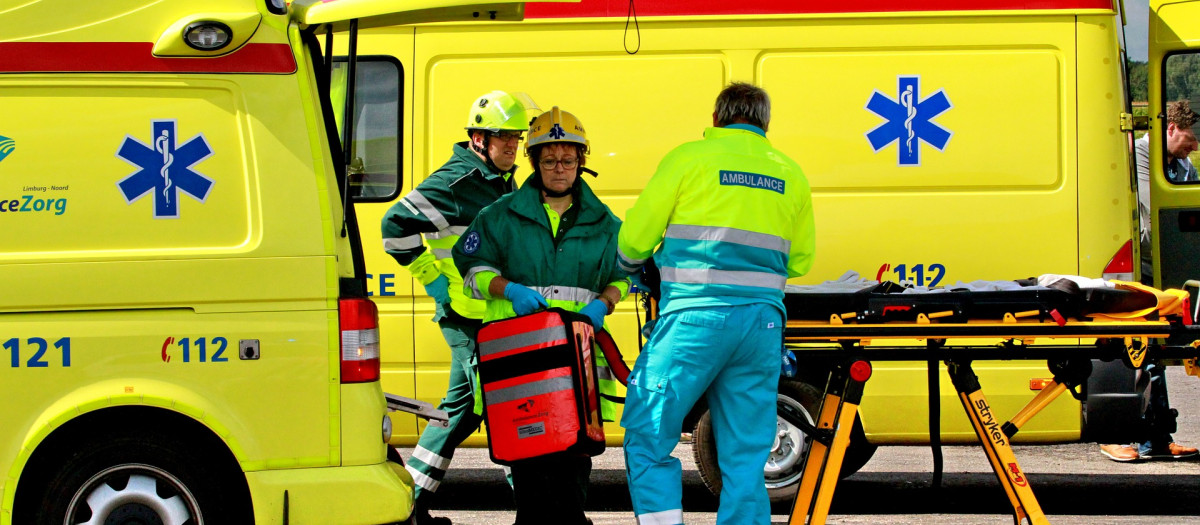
556	126
500	111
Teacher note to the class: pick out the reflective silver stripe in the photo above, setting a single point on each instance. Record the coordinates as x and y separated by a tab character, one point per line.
513	393
469	279
426	208
730	235
402	243
664	517
448	232
712	276
504	344
566	293
627	264
441	253
423	480
429	458
605	373
409	205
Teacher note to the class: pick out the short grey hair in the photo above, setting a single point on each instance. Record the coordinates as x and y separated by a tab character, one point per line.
742	102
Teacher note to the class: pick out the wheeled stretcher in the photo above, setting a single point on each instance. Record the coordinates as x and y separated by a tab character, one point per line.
1062	323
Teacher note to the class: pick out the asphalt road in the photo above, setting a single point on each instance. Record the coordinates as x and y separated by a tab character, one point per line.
1074	485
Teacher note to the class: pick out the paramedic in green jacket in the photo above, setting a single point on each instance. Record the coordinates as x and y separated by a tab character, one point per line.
550	243
735	221
437	212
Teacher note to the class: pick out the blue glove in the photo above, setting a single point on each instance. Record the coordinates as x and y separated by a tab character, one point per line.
524	300
596	310
439	289
788	368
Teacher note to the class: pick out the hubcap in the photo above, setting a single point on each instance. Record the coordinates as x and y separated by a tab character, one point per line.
783	465
133	494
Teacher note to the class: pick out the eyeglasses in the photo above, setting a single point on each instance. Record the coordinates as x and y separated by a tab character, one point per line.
508	136
567	164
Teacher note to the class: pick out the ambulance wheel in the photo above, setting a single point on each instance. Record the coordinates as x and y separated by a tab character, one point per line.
797	401
139	478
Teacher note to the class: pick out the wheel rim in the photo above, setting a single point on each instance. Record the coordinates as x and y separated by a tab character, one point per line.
791	443
133	494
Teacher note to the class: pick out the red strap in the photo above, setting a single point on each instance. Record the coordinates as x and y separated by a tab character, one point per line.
1058	318
613	355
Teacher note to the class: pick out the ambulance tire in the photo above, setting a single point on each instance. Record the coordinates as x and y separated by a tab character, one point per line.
136	473
785	466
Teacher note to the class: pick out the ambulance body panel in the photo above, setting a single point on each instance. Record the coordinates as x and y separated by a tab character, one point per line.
1016	166
176	269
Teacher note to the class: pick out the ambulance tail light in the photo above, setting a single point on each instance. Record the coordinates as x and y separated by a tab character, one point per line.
1120	267
359	320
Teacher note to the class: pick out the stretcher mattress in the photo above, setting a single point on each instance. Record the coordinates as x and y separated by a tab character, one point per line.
890	302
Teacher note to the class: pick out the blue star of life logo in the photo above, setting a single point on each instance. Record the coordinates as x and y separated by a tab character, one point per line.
908	120
471	243
556	132
164	169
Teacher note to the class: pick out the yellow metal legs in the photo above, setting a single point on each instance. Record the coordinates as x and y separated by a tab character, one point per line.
843	394
828	445
996	444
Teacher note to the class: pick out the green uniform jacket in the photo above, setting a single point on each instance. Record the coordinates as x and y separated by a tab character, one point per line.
512	238
440	209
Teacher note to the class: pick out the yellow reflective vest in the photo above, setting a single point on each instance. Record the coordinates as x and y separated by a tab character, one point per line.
734	218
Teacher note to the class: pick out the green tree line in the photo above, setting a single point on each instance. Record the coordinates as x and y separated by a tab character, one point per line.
1138	88
1182	78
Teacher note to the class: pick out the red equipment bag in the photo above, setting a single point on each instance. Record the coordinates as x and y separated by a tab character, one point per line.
540	390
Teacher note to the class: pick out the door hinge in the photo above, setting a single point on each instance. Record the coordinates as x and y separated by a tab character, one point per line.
1134	122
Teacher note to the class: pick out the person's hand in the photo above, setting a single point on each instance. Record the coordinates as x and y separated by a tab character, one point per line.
524	300
596	310
439	289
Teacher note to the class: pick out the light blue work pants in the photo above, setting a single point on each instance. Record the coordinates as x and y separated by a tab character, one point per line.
732	352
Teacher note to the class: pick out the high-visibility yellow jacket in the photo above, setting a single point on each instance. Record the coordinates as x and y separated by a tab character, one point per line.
734	216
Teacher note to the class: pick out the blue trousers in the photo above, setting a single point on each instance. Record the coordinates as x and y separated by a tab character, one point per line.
732	352
1159	420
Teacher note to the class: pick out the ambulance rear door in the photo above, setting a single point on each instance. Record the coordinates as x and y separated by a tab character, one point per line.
1174	205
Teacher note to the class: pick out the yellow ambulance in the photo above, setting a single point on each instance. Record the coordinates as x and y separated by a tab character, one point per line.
184	326
944	140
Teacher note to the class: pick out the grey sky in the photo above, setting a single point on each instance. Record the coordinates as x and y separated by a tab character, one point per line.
1137	12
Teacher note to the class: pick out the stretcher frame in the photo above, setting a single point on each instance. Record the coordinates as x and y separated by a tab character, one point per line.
849	348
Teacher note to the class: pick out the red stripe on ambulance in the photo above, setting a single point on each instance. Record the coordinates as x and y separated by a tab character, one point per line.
137	57
611	8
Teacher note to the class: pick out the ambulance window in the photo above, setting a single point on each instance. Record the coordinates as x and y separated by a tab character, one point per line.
375	148
1179	118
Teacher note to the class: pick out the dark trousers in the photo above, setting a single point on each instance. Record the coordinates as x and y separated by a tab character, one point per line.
551	490
1159	418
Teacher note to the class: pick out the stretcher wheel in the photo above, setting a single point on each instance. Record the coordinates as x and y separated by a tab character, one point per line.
785	466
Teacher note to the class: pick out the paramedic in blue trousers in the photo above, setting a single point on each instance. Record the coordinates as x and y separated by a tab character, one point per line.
735	220
550	243
437	212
